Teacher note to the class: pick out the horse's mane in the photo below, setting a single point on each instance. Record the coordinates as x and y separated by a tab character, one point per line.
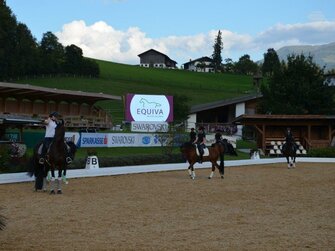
187	145
228	147
60	131
72	145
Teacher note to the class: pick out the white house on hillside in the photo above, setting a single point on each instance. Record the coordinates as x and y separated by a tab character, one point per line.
203	64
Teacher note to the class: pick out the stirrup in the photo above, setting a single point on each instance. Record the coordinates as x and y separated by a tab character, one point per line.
41	161
68	160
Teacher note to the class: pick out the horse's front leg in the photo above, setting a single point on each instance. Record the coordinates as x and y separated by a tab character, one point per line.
52	180
59	181
288	162
293	161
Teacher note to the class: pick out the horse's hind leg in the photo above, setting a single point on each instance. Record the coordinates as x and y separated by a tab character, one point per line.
59	185
44	187
52	182
64	177
191	171
212	172
221	169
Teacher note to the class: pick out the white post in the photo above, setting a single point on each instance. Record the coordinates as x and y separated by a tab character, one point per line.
92	162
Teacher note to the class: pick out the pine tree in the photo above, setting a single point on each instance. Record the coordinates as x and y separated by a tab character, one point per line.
218	46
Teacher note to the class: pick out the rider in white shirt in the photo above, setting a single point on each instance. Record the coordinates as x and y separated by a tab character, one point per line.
50	126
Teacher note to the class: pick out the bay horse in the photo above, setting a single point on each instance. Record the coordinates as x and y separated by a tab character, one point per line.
216	151
56	157
55	160
289	151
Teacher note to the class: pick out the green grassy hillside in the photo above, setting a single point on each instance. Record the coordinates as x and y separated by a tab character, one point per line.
120	79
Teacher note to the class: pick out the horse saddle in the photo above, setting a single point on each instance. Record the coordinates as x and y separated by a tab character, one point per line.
206	152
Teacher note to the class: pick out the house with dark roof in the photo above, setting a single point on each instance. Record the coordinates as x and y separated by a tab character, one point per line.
156	59
220	114
203	64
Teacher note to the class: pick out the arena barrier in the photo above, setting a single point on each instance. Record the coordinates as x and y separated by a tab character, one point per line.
109	171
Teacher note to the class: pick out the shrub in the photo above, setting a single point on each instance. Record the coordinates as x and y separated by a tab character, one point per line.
322	152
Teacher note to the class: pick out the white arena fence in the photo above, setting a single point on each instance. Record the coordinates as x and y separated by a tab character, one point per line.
110	171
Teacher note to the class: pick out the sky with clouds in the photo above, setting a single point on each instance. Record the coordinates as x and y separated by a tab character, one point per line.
119	30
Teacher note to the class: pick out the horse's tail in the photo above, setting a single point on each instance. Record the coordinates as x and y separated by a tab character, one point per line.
231	150
31	167
73	148
2	222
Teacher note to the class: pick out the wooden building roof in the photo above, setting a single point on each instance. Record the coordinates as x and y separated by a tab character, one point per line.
283	119
26	91
225	102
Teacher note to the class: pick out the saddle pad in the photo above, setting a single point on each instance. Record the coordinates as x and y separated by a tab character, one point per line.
206	152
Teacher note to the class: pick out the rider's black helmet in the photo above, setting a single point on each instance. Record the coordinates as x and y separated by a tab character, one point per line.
56	114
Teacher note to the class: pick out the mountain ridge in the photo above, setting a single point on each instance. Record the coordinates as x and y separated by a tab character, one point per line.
323	55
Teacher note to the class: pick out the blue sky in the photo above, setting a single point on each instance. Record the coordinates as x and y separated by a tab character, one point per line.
119	30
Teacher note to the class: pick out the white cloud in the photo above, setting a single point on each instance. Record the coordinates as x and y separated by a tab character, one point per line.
316	16
100	40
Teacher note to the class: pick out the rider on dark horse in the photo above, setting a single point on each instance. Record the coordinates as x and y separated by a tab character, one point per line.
289	139
227	146
50	126
200	141
193	135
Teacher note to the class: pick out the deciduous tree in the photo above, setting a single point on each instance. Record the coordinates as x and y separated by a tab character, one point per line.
246	66
271	62
297	88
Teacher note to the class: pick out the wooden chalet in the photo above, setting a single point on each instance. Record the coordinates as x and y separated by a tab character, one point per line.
156	59
220	114
309	131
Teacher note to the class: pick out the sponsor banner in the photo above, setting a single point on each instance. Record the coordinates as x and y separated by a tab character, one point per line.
94	140
73	136
140	107
122	139
149	126
135	140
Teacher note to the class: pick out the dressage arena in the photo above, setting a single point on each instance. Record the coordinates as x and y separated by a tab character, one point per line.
256	207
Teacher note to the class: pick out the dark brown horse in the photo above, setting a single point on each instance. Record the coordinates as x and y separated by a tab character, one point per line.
56	156
216	152
289	150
